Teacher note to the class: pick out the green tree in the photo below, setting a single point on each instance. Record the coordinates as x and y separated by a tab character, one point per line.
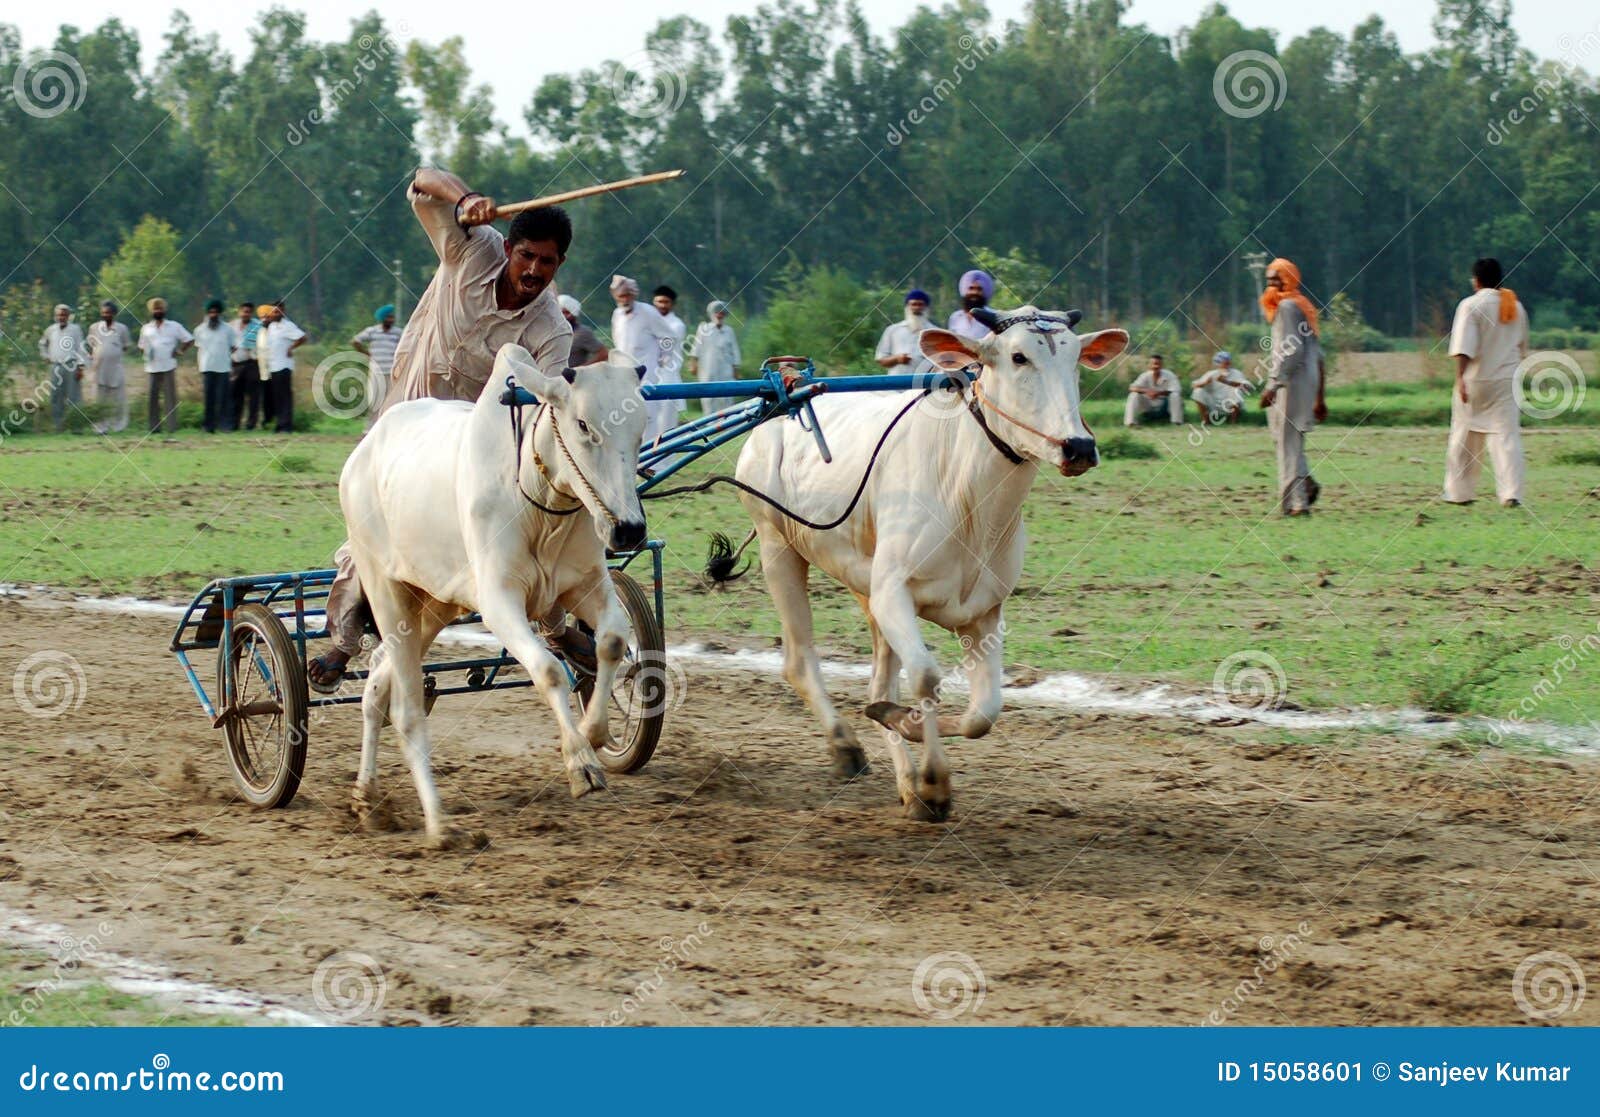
149	264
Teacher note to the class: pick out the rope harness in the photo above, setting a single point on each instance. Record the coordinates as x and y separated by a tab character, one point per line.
538	462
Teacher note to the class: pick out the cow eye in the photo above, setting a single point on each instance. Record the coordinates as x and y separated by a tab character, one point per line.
584	427
1019	359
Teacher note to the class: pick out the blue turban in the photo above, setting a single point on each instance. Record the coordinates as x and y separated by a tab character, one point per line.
1222	355
982	278
383	312
917	293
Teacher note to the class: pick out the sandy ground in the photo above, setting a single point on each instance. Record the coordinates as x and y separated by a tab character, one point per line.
1098	870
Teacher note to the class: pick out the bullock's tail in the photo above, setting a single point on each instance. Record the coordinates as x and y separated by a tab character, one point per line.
722	556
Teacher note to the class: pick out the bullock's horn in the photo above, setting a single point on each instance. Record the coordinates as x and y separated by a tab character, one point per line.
1074	317
570	375
639	371
986	316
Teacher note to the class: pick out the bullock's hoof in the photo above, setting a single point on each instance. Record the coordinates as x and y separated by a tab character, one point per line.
583	780
452	840
924	808
850	762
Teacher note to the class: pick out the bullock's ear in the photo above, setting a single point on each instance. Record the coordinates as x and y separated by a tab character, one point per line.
1099	348
570	375
514	360
948	351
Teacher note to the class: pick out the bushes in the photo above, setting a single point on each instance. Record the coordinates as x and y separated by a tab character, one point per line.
1563	339
823	314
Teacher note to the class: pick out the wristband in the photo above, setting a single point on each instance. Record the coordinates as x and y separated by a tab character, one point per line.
464	197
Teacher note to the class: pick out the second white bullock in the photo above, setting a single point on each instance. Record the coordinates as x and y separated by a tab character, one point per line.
452	510
937	534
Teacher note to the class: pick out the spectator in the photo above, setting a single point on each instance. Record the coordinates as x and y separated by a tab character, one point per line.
586	348
1219	394
1156	393
644	336
62	345
278	340
897	348
976	289
1489	340
715	352
245	386
214	345
109	340
163	342
378	342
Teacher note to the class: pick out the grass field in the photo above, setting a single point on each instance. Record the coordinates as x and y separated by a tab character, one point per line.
38	991
1160	565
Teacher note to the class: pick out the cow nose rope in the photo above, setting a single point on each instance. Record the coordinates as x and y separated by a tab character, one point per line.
516	436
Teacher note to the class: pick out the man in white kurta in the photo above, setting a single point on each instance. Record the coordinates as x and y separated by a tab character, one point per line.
62	346
109	341
1219	394
638	330
1155	392
715	352
898	349
1489	341
665	300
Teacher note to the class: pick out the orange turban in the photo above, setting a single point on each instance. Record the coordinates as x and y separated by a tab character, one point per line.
1271	297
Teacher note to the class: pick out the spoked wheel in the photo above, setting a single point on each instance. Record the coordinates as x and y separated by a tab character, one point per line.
265	726
640	693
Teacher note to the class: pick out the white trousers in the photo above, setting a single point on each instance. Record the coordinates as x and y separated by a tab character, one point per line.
1139	406
1464	461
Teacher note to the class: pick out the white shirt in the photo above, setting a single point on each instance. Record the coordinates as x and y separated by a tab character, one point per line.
107	344
902	337
1167	381
274	340
967	326
672	359
215	346
62	345
644	335
160	341
1496	348
716	351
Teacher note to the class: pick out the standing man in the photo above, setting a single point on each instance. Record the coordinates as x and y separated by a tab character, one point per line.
897	348
214	342
645	337
162	343
490	290
1155	393
378	342
1219	394
278	340
665	300
109	340
715	351
975	289
1293	395
1488	341
245	385
586	348
62	346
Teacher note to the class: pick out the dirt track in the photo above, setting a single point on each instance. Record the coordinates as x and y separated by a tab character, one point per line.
1099	870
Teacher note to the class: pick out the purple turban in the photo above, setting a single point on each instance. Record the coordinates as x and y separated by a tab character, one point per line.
982	278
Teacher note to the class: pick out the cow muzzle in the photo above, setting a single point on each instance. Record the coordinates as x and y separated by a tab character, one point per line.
1078	456
627	535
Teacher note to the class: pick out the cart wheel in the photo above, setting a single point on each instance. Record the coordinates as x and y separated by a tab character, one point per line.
639	694
265	728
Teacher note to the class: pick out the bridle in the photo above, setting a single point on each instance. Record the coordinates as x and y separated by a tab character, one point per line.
538	462
1043	325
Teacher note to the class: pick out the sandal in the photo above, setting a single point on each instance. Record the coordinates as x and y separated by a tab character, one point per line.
324	676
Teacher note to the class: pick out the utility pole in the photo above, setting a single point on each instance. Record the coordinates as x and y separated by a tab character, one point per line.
398	288
1257	263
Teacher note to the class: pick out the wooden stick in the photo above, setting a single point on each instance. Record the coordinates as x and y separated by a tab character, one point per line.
586	192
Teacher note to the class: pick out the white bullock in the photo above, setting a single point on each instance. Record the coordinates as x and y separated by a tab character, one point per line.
938	532
443	509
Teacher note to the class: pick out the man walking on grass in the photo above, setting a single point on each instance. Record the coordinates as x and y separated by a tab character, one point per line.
1488	341
1293	393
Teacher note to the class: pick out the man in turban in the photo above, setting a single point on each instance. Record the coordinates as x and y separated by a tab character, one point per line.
715	352
898	350
976	289
646	337
586	348
163	341
1293	393
1489	341
379	342
1219	394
